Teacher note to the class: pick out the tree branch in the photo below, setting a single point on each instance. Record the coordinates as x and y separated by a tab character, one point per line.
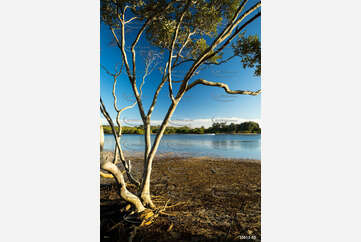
221	37
155	97
172	48
238	30
142	30
116	137
222	85
131	78
205	63
130	20
179	54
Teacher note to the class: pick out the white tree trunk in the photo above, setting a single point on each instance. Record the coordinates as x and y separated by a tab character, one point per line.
145	187
124	193
115	171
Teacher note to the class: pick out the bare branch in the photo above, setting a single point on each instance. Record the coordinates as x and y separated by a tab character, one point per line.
181	62
118	152
179	54
121	47
145	25
206	63
175	36
116	137
222	85
130	20
155	97
131	78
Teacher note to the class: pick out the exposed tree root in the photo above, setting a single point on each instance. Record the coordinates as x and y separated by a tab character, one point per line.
148	216
106	175
168	214
133	221
170	227
177	204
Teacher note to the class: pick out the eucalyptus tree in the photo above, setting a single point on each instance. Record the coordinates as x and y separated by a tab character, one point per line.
192	34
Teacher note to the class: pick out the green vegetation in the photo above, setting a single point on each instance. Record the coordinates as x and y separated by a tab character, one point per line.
246	127
125	130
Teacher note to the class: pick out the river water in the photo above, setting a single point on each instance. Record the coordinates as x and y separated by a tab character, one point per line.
219	145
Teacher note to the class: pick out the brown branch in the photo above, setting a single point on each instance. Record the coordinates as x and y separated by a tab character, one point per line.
222	85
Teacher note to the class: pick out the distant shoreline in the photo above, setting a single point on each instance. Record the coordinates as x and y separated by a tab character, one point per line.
194	134
216	128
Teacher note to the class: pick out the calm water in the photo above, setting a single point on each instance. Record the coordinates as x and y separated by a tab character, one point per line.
220	145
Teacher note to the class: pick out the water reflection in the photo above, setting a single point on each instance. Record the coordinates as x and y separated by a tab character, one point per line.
223	145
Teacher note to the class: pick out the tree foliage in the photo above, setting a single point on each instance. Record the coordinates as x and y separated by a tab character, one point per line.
249	50
245	127
202	19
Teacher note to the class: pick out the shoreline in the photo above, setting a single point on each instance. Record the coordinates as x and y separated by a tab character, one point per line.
219	197
174	155
194	134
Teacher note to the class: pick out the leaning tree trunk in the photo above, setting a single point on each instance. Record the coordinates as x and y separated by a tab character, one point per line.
125	164
145	187
116	153
119	178
124	193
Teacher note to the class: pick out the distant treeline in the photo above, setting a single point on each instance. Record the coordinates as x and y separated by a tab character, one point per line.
246	127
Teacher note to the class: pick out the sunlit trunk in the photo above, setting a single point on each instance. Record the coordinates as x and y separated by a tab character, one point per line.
145	187
115	171
124	193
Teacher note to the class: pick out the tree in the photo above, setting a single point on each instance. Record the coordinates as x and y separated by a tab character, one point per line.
250	127
189	31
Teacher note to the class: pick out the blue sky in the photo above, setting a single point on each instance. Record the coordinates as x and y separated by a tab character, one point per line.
202	104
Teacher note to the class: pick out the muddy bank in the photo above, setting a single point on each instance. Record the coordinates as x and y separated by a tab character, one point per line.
220	200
